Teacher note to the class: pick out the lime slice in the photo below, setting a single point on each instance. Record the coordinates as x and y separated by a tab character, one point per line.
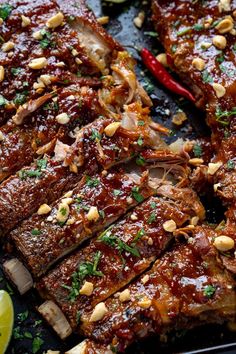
6	320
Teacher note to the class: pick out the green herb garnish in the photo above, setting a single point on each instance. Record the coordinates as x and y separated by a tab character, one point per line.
85	269
197	150
92	182
137	196
36	345
36	232
5	10
209	291
116	242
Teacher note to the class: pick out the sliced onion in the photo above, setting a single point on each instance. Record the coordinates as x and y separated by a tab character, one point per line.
29	107
177	146
54	316
81	348
18	274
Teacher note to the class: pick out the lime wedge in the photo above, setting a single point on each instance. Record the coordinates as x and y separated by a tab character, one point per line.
6	320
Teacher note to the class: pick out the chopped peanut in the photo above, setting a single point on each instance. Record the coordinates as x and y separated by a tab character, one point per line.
194	220
87	289
103	20
38	63
145	303
169	226
6	47
25	21
224	5
93	214
162	58
37	35
145	279
225	26
44	209
99	312
124	295
223	243
219	90
138	21
199	64
179	118
2	72
196	161
1	136
213	167
55	20
68	194
62	118
111	128
219	42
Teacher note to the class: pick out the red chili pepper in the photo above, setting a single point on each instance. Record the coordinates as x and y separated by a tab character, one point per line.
162	75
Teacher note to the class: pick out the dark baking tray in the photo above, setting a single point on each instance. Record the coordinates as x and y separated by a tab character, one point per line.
207	339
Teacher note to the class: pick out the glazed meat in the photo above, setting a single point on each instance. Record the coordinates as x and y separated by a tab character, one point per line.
30	30
78	106
186	287
46	179
199	39
190	33
94	203
125	250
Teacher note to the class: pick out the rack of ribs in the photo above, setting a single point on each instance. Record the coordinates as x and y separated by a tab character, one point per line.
201	49
185	288
99	145
123	251
96	202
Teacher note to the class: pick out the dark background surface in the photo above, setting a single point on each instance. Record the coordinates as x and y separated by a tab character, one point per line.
28	323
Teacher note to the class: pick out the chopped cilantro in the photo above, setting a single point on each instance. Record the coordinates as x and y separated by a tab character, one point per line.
151	218
224	114
28	335
20	97
78	316
116	242
36	345
23	316
198	27
92	182
17	334
230	164
153	205
63	211
3	101
46	41
141	123
140	141
140	161
197	150
42	164
206	77
23	174
209	291
139	235
16	71
5	10
173	48
96	135
184	31
36	232
137	196
116	192
151	34
85	269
